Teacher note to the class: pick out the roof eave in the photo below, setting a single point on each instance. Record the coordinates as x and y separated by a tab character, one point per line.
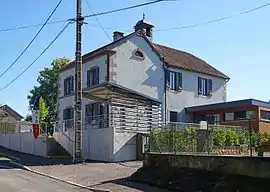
173	66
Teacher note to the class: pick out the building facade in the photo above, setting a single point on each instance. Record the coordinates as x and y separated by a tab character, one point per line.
176	78
129	87
249	113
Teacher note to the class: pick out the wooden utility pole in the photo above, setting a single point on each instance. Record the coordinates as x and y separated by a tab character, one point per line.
77	152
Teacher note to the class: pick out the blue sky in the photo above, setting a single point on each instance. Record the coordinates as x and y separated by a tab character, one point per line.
239	47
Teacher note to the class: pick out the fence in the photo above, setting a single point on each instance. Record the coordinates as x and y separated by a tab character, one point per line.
204	139
18	136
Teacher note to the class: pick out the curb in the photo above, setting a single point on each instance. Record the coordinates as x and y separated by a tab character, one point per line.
10	157
56	178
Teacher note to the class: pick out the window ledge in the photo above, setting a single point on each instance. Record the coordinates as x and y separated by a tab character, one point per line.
174	91
64	96
265	120
205	96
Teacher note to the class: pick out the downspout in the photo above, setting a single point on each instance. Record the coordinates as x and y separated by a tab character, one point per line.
165	91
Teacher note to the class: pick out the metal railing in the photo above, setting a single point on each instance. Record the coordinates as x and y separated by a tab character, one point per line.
192	138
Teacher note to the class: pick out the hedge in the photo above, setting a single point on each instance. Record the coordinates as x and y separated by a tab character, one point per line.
175	140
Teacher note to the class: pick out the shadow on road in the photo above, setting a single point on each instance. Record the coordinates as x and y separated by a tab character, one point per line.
31	160
130	184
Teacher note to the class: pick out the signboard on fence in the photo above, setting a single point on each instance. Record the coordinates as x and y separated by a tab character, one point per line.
203	125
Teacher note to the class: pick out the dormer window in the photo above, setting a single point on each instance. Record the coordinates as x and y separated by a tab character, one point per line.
138	53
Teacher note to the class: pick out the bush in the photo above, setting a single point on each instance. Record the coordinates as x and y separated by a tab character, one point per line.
219	137
231	138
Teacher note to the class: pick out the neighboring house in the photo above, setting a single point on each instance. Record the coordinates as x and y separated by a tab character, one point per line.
9	119
245	113
176	78
130	85
9	114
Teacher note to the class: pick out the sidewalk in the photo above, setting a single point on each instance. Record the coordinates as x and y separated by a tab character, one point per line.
111	176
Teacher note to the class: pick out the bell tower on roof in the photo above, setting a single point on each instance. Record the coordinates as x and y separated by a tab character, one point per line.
146	27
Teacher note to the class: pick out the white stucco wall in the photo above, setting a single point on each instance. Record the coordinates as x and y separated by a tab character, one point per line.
177	101
68	101
144	76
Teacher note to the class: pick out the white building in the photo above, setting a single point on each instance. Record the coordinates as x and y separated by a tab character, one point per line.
134	67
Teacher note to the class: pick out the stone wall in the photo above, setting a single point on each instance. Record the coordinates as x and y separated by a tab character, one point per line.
235	165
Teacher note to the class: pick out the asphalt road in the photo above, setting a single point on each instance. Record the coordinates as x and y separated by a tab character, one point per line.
13	179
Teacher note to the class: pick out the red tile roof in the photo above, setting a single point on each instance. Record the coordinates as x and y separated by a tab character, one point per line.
181	59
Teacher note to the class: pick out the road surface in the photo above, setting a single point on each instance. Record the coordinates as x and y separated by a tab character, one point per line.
14	179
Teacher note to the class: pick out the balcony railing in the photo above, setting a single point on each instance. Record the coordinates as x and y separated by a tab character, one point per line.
99	121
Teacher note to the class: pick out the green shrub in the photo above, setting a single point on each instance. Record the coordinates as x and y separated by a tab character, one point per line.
219	137
231	138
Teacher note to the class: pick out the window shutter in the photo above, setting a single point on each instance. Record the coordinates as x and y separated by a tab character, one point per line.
179	81
86	110
64	114
97	76
199	86
167	78
209	86
72	84
65	86
88	78
72	112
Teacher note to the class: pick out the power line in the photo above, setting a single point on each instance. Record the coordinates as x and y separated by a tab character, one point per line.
127	8
18	76
87	16
88	4
216	20
25	49
31	26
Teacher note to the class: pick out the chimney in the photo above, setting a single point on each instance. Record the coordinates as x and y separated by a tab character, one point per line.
117	35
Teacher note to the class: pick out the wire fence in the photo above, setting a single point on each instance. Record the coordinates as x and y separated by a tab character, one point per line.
184	138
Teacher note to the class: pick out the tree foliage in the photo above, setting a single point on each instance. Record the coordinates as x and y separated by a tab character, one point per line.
43	109
47	88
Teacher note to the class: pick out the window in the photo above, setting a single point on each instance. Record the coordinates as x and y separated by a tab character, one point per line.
229	117
213	119
138	53
93	76
174	80
69	85
204	86
94	114
265	115
173	116
239	115
68	115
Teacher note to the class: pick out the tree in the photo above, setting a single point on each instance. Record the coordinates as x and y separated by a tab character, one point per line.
43	110
47	88
28	118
